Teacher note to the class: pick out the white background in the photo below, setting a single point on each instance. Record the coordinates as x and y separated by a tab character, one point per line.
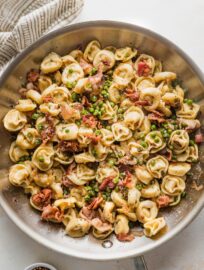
181	21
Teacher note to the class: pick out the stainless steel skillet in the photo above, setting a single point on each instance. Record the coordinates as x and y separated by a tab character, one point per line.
62	41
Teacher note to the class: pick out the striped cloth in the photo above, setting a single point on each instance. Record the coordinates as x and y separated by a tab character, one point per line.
23	21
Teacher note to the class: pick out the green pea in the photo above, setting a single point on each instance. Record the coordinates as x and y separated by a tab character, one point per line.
35	116
41	159
91	109
191	143
153	127
189	101
94	98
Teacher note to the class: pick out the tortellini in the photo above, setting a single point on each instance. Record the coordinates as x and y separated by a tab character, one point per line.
67	132
105	58
16	152
121	132
155	141
172	185
14	120
157	166
103	138
52	62
72	73
179	141
25	105
133	117
123	74
19	174
152	227
146	211
27	138
43	157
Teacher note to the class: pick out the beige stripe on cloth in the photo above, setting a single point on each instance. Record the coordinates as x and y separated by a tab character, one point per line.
22	22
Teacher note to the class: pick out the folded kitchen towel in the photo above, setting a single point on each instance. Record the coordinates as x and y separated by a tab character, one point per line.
23	21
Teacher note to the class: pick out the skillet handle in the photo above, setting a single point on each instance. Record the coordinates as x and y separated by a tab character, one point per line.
139	263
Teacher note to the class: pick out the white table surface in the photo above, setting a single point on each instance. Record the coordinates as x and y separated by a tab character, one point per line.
182	22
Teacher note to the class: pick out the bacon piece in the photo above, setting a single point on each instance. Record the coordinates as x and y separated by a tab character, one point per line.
52	213
85	102
94	138
42	198
87	213
127	181
95	203
96	79
22	91
33	75
125	237
69	146
87	67
67	182
143	69
156	117
163	201
67	112
47	134
107	182
127	160
90	121
142	103
132	94
47	99
199	138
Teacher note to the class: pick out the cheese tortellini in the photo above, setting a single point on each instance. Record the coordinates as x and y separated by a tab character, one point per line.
102	139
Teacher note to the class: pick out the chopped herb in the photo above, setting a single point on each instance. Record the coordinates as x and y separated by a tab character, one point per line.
40	127
38	141
191	143
75	96
78	122
93	71
139	186
41	159
153	127
183	194
116	180
35	116
67	130
70	71
97	132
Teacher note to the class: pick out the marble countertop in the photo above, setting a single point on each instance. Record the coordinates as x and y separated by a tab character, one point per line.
182	22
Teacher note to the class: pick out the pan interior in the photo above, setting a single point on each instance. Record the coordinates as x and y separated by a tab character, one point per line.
119	35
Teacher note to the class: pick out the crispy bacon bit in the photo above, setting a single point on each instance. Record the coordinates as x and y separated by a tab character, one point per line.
22	91
107	182
47	134
87	67
163	201
143	69
52	213
90	121
199	138
67	182
87	213
47	99
195	186
125	237
95	203
85	102
127	181
33	75
142	103
69	146
42	198
127	160
94	138
132	94
156	117
96	79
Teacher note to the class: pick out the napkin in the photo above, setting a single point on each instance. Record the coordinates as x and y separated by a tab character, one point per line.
22	22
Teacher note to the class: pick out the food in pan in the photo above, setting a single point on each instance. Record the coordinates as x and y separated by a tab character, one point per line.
104	139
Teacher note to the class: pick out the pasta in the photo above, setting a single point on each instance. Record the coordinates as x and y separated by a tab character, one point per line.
103	140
